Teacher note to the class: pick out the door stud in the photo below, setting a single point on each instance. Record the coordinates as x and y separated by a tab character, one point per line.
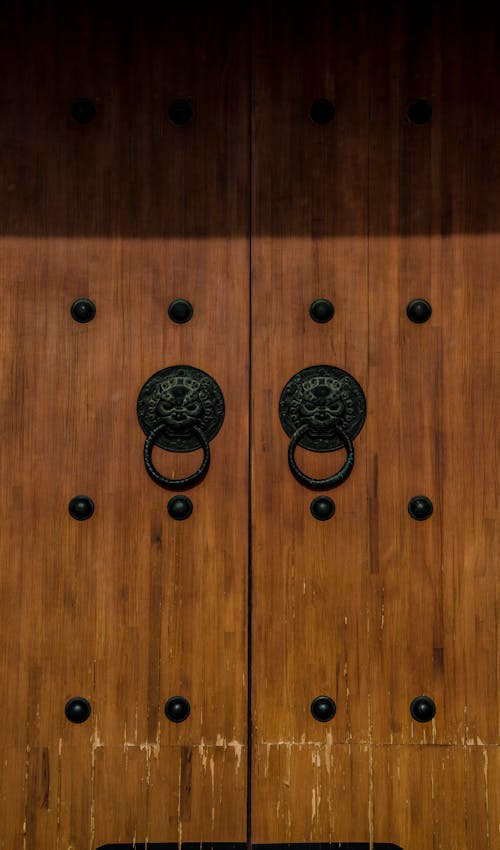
323	709
180	507
321	310
180	311
423	709
81	507
419	310
322	508
420	508
177	709
322	111
83	110
78	710
180	112
83	310
419	112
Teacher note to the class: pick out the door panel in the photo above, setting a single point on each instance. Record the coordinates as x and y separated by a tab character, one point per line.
129	607
372	607
250	210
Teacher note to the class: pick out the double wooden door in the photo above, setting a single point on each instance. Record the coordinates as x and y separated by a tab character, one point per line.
249	160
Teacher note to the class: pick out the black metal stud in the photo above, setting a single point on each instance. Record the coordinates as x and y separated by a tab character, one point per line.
323	709
180	507
83	110
321	310
419	112
322	111
180	311
420	507
419	310
177	709
180	112
423	709
322	508
81	507
83	310
78	710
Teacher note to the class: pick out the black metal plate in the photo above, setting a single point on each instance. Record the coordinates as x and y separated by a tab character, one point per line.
169	845
182	397
336	845
319	396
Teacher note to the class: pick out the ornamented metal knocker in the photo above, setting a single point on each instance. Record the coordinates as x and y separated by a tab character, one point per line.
180	409
322	409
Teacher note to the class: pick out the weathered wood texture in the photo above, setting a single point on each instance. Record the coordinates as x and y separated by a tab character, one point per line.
372	607
130	607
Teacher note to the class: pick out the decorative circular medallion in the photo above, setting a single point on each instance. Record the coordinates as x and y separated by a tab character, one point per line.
181	398
321	397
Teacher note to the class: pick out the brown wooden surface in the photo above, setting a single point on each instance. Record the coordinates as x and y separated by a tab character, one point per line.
131	607
372	607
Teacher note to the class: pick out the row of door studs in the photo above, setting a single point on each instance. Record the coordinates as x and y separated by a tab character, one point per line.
321	310
178	709
322	111
181	507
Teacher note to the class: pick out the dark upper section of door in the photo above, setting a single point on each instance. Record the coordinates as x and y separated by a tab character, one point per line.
124	171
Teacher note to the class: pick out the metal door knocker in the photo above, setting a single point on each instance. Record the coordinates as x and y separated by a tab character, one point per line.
322	409
180	409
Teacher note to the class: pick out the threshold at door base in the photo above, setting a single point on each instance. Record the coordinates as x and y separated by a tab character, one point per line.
190	845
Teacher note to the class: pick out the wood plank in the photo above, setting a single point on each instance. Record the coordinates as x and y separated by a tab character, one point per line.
320	791
393	607
432	386
309	578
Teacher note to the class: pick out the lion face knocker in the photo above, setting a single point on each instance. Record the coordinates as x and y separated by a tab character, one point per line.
325	400
322	409
181	397
179	406
180	409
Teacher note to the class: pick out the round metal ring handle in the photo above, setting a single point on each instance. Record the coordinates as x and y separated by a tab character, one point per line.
180	409
334	480
175	483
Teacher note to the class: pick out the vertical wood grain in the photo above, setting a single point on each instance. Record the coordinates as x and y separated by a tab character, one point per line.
310	579
391	608
130	607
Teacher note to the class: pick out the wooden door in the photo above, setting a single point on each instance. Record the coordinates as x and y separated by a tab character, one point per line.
372	607
130	607
150	153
